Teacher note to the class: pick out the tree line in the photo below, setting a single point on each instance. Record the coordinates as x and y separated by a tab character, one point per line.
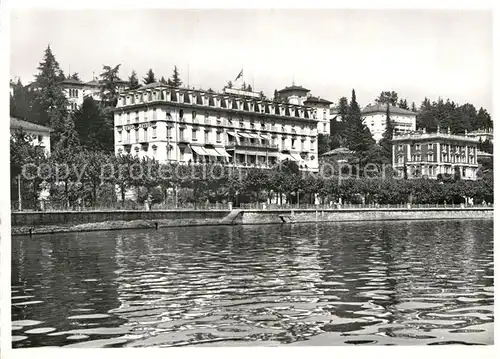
96	179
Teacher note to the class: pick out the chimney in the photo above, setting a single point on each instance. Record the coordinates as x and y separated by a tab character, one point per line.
439	129
449	130
424	130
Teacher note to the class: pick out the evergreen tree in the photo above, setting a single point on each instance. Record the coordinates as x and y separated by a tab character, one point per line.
229	84
249	88
342	108
387	97
49	104
134	82
169	82
358	136
403	104
276	96
21	102
483	120
75	76
150	77
176	80
386	141
109	86
163	81
413	107
93	126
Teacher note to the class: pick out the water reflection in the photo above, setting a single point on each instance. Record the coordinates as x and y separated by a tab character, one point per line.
427	282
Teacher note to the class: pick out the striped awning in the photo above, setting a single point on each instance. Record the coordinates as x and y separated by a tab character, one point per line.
222	152
199	150
211	152
246	135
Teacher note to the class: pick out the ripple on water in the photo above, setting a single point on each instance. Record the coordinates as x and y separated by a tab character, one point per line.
89	316
39	330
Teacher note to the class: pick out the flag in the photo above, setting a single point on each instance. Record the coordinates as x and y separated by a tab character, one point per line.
239	75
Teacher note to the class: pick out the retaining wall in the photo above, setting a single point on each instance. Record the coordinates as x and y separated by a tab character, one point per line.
76	217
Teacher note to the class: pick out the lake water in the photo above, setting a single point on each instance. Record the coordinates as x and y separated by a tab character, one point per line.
365	283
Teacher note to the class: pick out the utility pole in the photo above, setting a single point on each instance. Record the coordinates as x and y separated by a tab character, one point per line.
19	192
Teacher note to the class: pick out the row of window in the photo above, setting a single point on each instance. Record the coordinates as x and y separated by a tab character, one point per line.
194	137
73	92
216	102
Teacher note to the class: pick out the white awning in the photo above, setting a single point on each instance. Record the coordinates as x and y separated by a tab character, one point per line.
283	157
246	135
199	150
253	135
266	137
211	152
234	134
223	152
296	157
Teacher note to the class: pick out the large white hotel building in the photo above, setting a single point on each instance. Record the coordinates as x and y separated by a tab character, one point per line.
234	127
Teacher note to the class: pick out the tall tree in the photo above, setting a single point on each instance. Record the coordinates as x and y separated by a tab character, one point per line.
163	81
343	108
386	141
483	120
92	123
358	136
133	80
109	84
229	84
50	103
75	76
387	97
403	104
413	107
150	77
176	80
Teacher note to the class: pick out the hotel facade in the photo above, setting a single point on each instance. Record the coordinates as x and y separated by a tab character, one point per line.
237	128
430	155
375	116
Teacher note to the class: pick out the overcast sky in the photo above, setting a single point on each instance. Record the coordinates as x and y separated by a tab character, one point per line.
417	53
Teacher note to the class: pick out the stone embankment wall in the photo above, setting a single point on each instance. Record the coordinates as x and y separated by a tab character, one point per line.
52	222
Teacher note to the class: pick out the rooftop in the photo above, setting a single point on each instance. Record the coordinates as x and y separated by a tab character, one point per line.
483	154
338	151
313	99
382	108
424	136
293	88
16	123
71	82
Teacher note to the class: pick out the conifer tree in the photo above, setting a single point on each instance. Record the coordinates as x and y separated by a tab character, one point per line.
150	77
386	141
50	103
134	82
109	85
176	80
358	136
163	81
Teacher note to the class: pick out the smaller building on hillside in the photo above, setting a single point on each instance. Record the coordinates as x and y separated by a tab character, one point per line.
482	135
375	116
434	155
338	155
40	135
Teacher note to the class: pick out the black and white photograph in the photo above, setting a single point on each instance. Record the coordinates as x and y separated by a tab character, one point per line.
248	177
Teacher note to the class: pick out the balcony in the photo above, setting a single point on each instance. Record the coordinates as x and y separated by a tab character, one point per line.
252	146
